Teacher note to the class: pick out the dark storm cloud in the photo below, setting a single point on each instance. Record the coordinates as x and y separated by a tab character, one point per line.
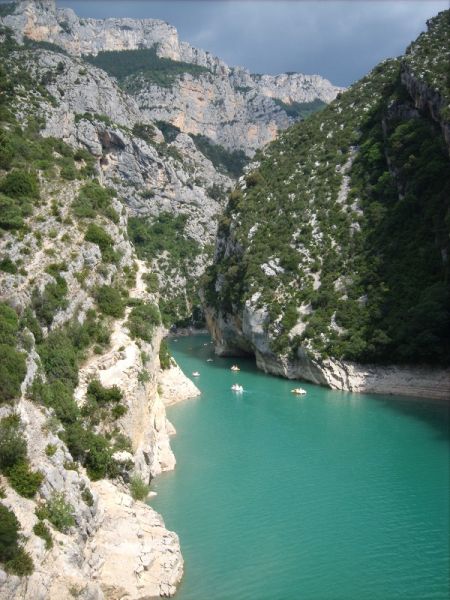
339	40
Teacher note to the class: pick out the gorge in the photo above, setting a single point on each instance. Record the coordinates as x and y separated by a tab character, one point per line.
146	185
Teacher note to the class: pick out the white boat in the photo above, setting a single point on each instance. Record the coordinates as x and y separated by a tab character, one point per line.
209	360
237	388
195	374
235	368
299	391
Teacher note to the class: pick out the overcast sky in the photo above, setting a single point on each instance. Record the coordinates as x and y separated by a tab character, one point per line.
340	40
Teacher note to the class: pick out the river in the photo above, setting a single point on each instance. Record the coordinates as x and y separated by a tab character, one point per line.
329	496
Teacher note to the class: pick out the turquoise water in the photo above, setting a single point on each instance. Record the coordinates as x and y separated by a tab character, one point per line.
325	497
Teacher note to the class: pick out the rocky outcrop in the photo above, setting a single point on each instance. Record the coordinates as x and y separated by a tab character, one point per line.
117	547
175	386
427	99
235	335
227	104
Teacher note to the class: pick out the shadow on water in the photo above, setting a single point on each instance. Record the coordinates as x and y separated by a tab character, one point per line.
435	413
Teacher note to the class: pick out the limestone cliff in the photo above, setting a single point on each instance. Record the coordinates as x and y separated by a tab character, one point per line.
110	529
85	407
229	105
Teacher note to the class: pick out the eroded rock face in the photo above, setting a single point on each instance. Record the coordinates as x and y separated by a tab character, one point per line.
229	105
235	335
117	547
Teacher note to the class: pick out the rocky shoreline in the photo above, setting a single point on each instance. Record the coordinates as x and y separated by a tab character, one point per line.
235	336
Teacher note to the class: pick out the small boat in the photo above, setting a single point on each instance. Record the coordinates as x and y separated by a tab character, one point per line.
195	374
235	368
209	360
205	344
299	391
237	388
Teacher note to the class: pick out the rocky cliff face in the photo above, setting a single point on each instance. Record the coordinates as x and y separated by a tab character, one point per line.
64	246
229	105
317	270
116	546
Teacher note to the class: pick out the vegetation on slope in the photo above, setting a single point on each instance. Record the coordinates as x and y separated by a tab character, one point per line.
127	65
36	202
300	110
343	229
165	237
230	162
428	57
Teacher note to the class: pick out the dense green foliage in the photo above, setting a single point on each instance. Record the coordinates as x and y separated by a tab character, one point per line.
164	237
344	227
145	64
102	404
138	488
25	481
13	458
428	58
13	446
144	131
168	130
300	110
166	232
52	299
165	358
142	321
41	530
12	362
7	8
97	235
93	199
110	301
230	162
61	353
16	561
58	512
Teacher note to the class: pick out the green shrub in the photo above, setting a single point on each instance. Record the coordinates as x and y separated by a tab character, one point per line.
13	446
25	481
144	131
41	530
93	199
101	395
50	450
59	358
12	372
12	212
58	512
118	411
231	162
58	396
21	564
100	398
9	325
152	281
8	266
92	450
142	321
145	63
50	301
97	235
29	320
9	534
138	488
165	359
20	184
87	496
110	301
